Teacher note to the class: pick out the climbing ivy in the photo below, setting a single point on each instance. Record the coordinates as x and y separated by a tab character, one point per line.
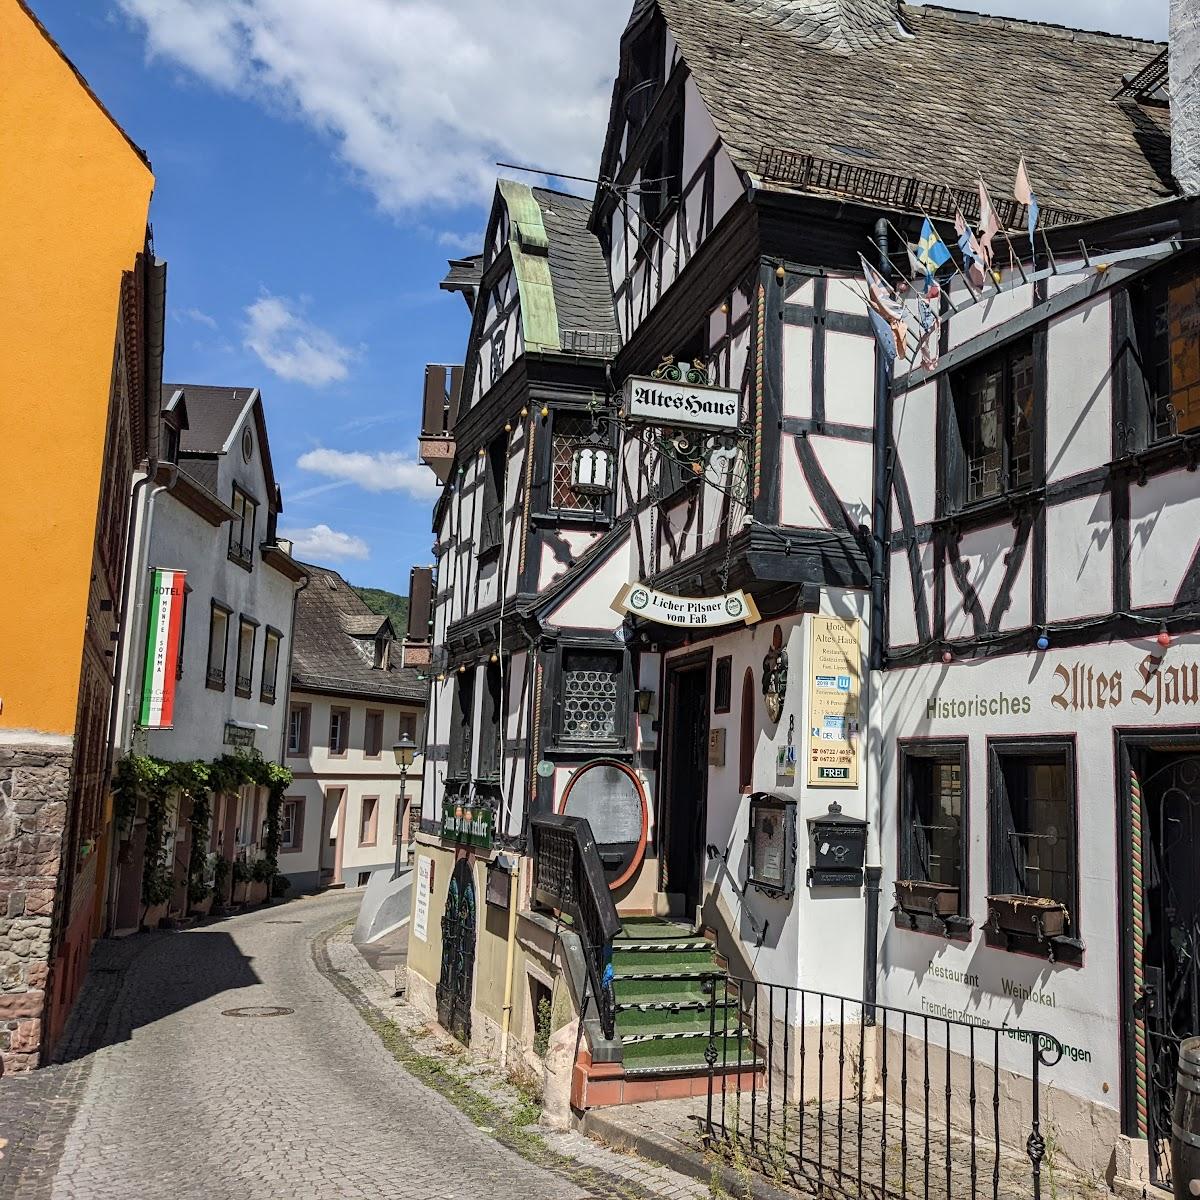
142	777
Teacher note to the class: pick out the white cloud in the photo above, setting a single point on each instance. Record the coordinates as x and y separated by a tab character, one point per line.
387	471
292	346
420	97
319	543
464	243
197	315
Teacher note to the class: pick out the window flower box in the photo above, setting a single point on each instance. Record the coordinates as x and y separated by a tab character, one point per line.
919	897
1028	916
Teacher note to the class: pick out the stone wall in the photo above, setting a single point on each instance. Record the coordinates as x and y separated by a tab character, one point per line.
34	786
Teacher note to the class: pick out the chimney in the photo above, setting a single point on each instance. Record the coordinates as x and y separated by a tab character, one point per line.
1184	59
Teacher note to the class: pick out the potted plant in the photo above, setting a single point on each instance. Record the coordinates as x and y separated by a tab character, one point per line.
221	881
157	887
260	881
920	897
241	881
200	898
1028	916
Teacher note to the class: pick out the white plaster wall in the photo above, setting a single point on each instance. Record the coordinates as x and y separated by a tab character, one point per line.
1079	559
1086	1009
797	949
182	540
797	370
902	611
992	310
849	378
590	605
797	505
1079	365
914	425
985	553
1164	526
847	466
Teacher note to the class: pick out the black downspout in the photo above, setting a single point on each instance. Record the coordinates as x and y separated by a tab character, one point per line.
879	522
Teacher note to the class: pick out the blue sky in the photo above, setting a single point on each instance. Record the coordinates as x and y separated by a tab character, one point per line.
317	162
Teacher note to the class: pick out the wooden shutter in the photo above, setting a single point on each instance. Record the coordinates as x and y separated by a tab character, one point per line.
420	604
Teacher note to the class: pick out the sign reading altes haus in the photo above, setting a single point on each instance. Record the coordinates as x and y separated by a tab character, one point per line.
1156	682
661	402
691	612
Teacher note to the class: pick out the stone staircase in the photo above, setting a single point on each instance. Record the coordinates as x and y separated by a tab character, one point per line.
664	976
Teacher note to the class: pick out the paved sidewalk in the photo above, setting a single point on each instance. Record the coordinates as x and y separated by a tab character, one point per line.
181	1085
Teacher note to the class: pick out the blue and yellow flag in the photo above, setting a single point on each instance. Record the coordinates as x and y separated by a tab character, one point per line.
931	251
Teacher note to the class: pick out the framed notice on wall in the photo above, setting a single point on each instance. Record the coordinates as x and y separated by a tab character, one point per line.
834	686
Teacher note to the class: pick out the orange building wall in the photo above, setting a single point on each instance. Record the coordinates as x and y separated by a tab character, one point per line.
74	201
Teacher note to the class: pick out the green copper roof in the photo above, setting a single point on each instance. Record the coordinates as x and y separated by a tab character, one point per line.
529	244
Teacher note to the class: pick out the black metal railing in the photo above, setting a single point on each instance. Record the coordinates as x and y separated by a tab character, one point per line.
847	1099
569	876
903	193
591	342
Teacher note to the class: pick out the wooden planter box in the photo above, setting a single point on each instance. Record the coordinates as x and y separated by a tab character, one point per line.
201	908
153	915
1030	916
927	899
240	890
256	892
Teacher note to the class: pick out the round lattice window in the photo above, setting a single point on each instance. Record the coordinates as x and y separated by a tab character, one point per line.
247	444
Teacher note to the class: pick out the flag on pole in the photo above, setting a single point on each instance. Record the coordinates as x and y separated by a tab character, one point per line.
989	223
886	303
163	638
931	326
885	336
1023	194
931	252
971	252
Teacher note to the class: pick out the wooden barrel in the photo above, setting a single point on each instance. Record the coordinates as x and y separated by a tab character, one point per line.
1185	1122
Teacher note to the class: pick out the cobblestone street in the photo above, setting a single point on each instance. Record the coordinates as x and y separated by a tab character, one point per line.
178	1098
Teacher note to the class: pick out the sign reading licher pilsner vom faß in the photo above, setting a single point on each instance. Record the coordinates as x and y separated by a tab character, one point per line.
661	402
691	612
833	699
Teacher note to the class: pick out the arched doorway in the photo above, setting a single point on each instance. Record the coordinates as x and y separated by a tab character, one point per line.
458	953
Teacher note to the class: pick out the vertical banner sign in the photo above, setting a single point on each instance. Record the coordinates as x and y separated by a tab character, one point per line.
421	902
162	648
834	662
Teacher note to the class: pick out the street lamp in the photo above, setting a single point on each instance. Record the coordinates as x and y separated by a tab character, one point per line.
404	751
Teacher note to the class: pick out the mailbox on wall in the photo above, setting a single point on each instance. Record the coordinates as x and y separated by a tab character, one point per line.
837	849
772	841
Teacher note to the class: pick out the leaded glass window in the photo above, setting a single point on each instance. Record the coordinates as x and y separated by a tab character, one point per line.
571	432
995	406
592	703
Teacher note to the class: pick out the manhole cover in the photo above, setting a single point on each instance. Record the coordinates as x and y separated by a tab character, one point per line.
258	1010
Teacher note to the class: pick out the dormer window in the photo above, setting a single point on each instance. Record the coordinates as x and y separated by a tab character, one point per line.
382	653
241	529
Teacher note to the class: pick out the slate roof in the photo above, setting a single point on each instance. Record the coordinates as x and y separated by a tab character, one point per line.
582	292
934	93
212	414
201	471
327	658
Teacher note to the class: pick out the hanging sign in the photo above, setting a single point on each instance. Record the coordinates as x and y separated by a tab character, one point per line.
468	824
163	637
692	612
239	735
833	700
665	402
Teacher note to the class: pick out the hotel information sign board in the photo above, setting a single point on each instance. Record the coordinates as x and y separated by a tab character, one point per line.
834	661
690	612
663	402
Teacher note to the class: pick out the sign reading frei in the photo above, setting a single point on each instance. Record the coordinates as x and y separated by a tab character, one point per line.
691	612
163	636
833	699
663	402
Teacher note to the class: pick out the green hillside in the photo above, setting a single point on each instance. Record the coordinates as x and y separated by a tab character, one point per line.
386	604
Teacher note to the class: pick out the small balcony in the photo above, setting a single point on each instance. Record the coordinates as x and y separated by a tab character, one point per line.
443	385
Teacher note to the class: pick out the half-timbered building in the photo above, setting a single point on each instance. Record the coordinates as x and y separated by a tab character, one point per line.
819	625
